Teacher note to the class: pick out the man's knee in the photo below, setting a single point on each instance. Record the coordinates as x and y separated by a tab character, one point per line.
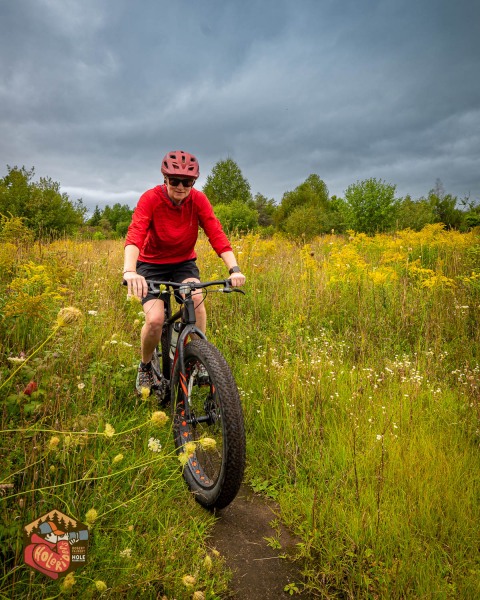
154	324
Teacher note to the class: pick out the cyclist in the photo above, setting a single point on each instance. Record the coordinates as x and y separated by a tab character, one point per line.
160	244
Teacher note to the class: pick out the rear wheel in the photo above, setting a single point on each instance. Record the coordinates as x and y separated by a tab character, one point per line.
208	413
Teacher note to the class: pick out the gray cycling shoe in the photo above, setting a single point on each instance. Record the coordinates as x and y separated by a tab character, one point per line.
203	378
145	379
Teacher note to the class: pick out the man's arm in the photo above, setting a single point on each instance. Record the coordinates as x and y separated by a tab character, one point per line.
237	279
137	286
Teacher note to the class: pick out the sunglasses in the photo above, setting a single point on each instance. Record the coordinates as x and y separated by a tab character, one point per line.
175	182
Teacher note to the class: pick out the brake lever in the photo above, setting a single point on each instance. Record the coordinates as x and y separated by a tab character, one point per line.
228	288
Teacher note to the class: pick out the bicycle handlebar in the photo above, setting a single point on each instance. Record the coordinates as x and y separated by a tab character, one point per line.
155	286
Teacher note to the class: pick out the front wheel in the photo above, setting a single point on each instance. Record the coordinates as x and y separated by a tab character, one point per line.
208	425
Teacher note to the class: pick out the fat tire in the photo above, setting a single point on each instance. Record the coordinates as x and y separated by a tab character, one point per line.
223	488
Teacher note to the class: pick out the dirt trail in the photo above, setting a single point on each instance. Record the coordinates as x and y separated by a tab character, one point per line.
239	535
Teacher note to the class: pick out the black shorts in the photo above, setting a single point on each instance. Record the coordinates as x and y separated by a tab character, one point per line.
177	272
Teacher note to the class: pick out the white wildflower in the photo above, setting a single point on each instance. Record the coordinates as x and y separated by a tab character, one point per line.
154	445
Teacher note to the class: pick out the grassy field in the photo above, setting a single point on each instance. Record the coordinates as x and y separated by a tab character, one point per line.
358	364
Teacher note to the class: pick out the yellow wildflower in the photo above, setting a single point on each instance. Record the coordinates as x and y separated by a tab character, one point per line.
100	585
216	553
53	443
91	516
183	458
207	443
145	393
117	459
68	315
159	418
189	581
207	562
68	582
109	430
133	298
190	448
198	595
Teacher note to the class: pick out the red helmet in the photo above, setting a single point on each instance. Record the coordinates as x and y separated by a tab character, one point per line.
179	162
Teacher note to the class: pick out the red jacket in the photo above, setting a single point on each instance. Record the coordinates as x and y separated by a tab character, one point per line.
46	557
166	233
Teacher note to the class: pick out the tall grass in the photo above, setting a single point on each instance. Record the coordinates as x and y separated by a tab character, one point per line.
357	360
83	443
362	394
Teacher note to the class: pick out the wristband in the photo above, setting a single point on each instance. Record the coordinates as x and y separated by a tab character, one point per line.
128	271
235	269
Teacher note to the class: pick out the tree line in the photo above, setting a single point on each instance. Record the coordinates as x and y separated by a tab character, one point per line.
368	206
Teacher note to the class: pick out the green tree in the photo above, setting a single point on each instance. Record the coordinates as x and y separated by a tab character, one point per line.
370	206
307	210
116	214
121	228
471	212
45	209
414	214
95	218
237	216
266	209
226	184
312	192
444	207
305	221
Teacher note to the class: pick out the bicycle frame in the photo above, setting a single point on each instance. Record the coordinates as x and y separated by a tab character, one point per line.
187	317
188	326
206	405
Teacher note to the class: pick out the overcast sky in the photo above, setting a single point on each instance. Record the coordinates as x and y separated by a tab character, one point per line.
93	93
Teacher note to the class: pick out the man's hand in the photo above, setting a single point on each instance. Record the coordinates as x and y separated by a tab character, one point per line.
237	279
136	284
